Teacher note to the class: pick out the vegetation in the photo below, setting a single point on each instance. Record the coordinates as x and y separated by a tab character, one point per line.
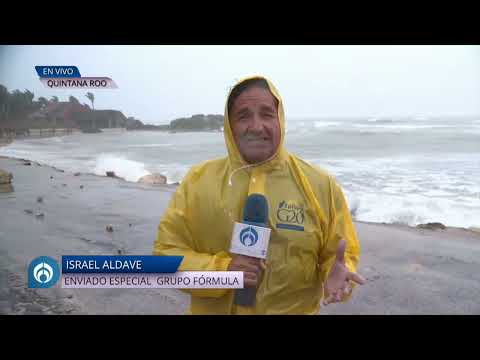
17	106
91	97
73	99
195	123
16	103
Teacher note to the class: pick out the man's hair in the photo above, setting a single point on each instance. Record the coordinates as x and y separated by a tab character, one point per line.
245	85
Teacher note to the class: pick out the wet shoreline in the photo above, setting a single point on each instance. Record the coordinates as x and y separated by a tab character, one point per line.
433	226
75	211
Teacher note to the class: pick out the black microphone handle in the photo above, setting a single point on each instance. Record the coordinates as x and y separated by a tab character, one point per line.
245	296
254	212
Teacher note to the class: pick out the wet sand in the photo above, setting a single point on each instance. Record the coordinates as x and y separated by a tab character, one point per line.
74	222
409	270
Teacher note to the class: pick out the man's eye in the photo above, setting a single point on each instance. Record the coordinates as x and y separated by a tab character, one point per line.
268	115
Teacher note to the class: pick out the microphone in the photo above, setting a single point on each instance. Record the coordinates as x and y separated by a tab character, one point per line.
251	238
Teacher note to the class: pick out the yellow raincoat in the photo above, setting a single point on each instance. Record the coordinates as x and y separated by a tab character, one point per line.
308	215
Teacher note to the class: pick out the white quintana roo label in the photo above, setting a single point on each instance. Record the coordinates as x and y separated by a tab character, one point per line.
250	240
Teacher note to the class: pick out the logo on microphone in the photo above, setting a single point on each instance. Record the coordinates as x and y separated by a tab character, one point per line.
43	272
248	236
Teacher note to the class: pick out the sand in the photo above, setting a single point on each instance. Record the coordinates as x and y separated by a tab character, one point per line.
409	270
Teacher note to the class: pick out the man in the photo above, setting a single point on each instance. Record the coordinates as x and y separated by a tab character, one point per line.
313	250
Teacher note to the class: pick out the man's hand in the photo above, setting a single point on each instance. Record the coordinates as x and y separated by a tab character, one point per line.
338	283
250	266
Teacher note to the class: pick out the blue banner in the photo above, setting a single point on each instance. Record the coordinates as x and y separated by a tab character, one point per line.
94	264
66	71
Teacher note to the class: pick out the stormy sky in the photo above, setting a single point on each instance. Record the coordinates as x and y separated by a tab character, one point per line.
160	83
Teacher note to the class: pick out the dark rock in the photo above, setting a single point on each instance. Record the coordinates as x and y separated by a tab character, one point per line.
81	186
109	228
76	174
113	175
432	226
354	211
39	199
27	163
28	211
86	239
64	184
39	215
130	225
51	177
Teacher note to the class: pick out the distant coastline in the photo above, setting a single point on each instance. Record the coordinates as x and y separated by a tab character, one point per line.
198	122
22	116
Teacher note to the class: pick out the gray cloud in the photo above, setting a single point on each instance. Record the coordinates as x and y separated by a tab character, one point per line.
159	83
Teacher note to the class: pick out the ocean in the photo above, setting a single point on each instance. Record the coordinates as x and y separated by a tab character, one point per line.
408	171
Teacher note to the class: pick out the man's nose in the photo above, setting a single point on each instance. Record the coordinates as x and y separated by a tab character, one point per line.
256	124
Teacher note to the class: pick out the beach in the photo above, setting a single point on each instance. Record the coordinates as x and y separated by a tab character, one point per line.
408	270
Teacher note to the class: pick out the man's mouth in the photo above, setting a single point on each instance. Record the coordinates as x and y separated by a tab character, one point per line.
256	138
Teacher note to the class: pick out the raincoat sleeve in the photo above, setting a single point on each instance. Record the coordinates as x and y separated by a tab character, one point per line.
340	227
175	237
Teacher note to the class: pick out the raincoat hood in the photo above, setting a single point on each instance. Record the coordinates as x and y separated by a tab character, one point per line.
234	155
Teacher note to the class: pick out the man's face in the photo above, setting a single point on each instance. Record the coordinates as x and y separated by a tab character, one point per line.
255	126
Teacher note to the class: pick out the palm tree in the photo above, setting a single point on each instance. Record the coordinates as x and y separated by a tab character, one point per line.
28	96
54	99
17	101
4	96
42	101
73	99
91	97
